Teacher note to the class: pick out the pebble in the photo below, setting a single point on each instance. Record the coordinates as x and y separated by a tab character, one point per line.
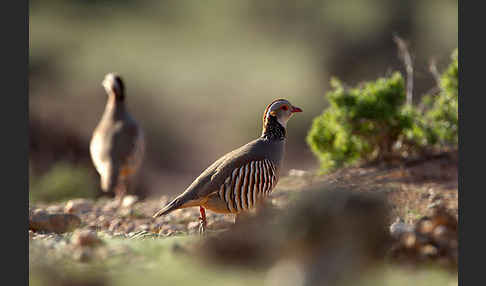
410	240
57	222
426	227
193	225
85	238
399	227
54	209
78	206
429	250
129	201
298	173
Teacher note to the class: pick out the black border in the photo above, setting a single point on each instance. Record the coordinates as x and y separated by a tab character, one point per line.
14	118
471	120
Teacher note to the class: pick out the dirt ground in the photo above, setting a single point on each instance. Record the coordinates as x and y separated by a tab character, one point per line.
413	191
110	240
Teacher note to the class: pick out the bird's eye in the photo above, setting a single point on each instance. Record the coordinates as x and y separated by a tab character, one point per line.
285	107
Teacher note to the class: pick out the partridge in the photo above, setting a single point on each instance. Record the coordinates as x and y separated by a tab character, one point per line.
117	146
241	179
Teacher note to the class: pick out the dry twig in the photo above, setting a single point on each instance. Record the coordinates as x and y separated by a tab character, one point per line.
407	60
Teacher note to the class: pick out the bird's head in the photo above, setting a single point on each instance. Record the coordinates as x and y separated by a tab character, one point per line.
281	110
114	86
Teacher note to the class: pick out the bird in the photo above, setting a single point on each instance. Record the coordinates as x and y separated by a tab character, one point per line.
117	145
241	179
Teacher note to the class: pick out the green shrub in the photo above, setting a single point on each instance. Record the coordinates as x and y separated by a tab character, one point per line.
365	122
373	122
64	181
442	113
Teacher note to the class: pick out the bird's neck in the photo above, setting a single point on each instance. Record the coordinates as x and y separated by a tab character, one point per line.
115	106
273	130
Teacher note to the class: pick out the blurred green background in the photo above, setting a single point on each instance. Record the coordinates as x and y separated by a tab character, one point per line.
200	73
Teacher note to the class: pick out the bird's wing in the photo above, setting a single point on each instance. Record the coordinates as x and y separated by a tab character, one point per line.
212	178
118	145
215	175
121	140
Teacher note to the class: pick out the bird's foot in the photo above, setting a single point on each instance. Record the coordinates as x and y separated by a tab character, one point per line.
202	221
202	227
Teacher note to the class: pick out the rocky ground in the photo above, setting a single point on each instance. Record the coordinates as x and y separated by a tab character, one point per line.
423	200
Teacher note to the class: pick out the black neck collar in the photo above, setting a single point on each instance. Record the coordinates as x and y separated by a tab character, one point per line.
273	130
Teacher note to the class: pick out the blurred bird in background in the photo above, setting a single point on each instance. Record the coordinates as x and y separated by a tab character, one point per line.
117	146
241	179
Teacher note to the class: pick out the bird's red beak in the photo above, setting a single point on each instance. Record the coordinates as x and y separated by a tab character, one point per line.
296	109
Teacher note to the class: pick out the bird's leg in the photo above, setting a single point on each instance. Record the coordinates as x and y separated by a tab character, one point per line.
120	194
203	223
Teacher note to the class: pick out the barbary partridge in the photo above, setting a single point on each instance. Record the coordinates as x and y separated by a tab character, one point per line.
241	179
117	146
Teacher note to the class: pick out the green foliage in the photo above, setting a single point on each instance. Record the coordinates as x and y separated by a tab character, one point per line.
442	115
363	122
373	122
64	181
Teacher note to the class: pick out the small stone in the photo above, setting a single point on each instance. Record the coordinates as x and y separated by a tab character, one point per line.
298	173
118	234
193	225
85	238
125	212
425	225
440	231
399	227
129	201
39	212
409	240
78	206
58	222
54	209
429	250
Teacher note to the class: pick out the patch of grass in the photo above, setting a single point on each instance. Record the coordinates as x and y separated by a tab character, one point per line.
64	181
146	262
397	276
162	262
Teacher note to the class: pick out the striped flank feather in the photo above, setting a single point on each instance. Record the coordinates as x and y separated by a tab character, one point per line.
248	184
